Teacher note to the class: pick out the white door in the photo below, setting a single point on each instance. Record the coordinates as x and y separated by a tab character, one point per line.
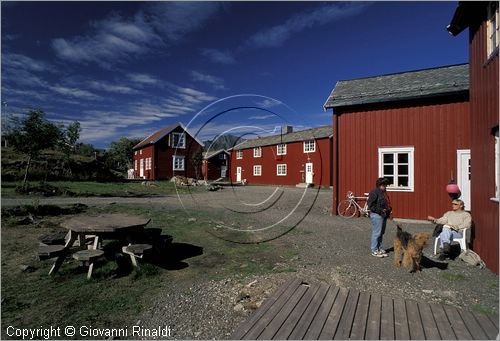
141	169
223	170
238	174
463	176
309	173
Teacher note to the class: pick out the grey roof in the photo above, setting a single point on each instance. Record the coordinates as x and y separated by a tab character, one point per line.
212	153
446	80
302	135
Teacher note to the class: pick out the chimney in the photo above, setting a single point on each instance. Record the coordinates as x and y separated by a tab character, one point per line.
286	129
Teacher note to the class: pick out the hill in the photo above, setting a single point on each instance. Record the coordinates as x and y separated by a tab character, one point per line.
223	142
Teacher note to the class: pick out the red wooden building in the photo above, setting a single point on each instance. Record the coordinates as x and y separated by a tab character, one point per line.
482	19
289	158
165	153
410	127
215	164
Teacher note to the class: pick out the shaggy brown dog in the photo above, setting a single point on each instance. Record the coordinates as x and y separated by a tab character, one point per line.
412	247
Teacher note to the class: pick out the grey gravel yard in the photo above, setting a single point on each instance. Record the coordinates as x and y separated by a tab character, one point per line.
303	241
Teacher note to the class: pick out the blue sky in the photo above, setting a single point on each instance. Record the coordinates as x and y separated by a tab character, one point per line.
130	68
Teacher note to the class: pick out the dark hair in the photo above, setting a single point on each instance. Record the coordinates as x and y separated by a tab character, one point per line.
381	182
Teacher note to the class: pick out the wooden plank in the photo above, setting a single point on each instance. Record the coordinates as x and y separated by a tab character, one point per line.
401	328
317	324
247	325
414	321
305	321
472	325
488	326
457	324
287	327
387	319
442	322
347	318
359	324
494	319
333	319
430	328
279	318
373	321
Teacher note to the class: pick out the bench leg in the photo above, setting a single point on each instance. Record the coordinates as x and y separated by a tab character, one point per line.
134	261
91	267
62	257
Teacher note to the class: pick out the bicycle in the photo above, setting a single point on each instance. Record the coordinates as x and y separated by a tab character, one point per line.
349	208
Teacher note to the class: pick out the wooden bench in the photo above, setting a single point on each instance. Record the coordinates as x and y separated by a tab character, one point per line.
136	251
87	257
58	238
50	251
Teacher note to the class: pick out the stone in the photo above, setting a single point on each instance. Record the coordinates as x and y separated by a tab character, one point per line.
192	219
239	308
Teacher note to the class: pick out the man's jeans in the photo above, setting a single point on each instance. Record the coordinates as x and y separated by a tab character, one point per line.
378	230
447	235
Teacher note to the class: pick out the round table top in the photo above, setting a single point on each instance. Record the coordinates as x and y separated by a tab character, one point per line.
111	222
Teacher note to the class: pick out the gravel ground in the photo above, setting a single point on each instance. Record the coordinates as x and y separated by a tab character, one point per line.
330	249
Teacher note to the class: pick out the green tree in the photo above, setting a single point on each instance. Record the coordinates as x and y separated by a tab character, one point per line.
68	142
196	161
120	154
31	135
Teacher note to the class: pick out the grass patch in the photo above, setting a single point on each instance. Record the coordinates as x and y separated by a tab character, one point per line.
33	299
452	276
93	188
479	308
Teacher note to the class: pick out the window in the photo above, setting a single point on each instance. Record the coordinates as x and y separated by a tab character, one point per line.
178	163
396	164
222	156
239	154
281	149
257	170
492	28
178	140
257	152
148	163
135	153
281	169
309	146
497	166
135	164
140	152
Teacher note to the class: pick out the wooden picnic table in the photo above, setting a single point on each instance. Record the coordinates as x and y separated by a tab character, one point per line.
124	227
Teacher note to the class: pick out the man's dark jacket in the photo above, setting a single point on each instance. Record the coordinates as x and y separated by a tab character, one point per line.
377	203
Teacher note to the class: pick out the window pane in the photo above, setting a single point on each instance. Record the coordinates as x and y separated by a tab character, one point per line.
388	170
402	169
403	181
391	180
388	158
403	158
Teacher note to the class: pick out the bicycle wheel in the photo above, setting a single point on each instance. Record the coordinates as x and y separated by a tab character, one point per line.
346	209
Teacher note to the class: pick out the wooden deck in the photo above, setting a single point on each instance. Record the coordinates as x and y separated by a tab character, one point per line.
298	310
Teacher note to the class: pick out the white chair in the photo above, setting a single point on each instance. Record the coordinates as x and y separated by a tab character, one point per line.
462	241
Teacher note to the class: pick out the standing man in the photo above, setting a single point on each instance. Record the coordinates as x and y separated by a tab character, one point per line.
380	210
453	222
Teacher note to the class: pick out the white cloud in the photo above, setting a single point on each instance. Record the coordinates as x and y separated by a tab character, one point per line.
219	56
261	117
277	35
268	103
216	82
112	88
143	78
74	92
117	38
22	62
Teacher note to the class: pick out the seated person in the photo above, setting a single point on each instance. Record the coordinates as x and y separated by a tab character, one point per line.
453	222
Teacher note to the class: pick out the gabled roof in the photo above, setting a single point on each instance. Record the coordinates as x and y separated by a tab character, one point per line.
466	13
439	81
210	154
302	135
158	135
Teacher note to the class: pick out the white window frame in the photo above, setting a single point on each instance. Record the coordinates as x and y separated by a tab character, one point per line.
135	164
281	169
281	149
492	28
257	152
180	157
259	173
140	152
222	156
307	147
135	153
497	167
410	150
181	138
239	154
